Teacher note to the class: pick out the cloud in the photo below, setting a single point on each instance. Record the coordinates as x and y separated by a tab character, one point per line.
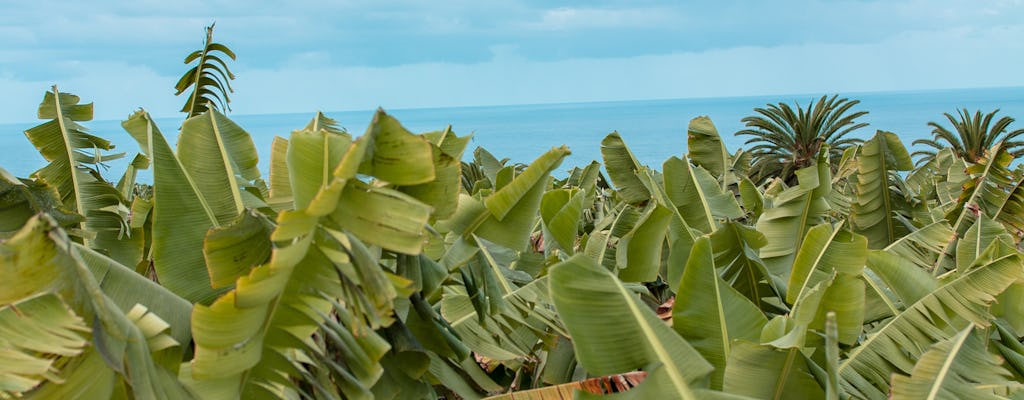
568	18
403	53
911	61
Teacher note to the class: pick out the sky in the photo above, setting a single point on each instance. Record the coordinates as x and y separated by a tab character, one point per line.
304	55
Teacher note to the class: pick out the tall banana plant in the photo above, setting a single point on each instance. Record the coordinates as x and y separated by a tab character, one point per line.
210	78
75	158
195	189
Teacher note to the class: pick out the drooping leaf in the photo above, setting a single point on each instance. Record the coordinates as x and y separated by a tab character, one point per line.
475	217
280	181
20	199
735	246
33	332
826	250
978	237
233	250
122	353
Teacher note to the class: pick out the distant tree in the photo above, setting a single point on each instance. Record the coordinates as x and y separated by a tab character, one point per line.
210	79
974	136
786	140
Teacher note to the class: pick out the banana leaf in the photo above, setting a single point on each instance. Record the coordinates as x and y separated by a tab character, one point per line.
622	168
959	367
877	205
579	286
710	314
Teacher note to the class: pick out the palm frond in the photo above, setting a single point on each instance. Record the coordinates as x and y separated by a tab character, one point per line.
210	79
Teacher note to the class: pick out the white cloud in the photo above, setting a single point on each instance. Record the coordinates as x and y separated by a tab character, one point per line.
953	45
568	18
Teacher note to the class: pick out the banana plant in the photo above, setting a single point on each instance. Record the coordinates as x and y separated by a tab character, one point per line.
75	158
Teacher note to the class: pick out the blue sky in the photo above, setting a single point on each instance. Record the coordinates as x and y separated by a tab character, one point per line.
355	55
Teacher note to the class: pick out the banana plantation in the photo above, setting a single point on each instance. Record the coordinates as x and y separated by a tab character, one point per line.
383	266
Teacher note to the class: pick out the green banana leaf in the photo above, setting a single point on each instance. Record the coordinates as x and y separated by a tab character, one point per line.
710	314
215	152
20	199
33	333
561	211
706	148
876	207
130	348
959	367
311	159
826	250
792	214
231	251
182	213
985	192
680	235
74	157
638	255
519	209
249	335
765	372
977	238
900	276
698	196
442	193
897	345
622	168
736	246
752	199
927	247
280	182
394	154
599	312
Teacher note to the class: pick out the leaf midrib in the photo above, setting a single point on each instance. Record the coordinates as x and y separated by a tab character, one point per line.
69	152
678	381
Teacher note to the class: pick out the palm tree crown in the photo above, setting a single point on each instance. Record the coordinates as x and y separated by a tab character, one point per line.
974	136
787	140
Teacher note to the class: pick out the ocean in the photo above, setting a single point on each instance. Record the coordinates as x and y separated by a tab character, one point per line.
653	129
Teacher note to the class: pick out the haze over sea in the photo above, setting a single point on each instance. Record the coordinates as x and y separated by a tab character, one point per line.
653	129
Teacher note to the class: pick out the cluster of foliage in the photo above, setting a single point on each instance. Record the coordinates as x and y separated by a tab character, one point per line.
382	266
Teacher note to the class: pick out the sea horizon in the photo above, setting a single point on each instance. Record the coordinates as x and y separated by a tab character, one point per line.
654	129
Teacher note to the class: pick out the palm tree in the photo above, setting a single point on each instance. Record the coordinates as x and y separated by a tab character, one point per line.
974	136
787	140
